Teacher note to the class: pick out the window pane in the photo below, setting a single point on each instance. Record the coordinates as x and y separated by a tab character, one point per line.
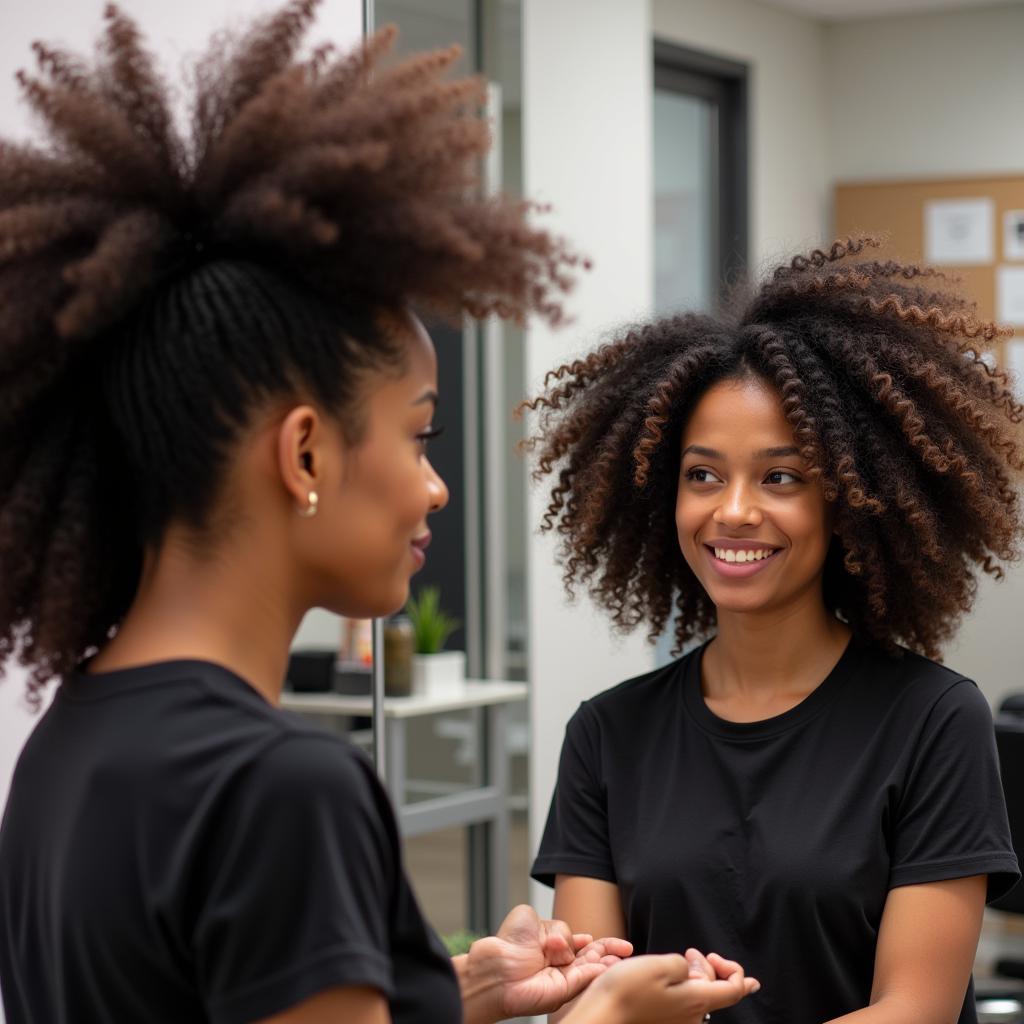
429	24
684	202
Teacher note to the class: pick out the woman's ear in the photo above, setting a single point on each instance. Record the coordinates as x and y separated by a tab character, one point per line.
301	456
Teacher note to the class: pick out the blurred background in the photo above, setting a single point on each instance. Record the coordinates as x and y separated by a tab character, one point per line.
681	144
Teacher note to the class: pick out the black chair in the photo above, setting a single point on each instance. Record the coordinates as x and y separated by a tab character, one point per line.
1010	744
1001	997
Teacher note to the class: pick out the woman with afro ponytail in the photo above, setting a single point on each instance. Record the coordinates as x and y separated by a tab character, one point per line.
804	489
214	411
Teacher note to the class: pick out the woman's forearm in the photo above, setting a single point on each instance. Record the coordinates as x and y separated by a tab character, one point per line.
594	1011
560	1015
890	1010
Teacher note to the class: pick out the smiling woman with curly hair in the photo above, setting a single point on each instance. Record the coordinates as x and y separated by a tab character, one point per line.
813	481
215	405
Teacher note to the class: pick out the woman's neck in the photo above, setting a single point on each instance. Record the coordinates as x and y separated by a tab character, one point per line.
760	664
226	607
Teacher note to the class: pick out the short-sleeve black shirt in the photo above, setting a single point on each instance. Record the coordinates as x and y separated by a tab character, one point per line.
176	849
776	842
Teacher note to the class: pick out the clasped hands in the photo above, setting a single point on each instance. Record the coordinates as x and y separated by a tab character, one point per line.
534	966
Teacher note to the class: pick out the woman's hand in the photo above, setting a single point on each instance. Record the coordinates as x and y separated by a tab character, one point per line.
531	967
666	989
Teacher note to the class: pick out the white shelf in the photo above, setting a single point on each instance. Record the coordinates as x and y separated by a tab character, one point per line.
475	693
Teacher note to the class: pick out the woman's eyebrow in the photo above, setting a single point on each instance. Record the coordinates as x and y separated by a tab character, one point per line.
708	453
766	453
427	396
777	453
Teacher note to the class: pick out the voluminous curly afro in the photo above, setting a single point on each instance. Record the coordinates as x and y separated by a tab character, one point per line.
877	364
158	285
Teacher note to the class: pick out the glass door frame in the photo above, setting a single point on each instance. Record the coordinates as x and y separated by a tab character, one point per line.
485	522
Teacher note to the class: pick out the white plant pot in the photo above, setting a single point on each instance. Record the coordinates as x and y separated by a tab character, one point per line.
435	674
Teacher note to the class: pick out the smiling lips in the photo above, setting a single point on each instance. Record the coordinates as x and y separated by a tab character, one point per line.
732	555
738	559
419	549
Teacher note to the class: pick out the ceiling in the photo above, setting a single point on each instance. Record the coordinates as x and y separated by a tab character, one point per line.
848	10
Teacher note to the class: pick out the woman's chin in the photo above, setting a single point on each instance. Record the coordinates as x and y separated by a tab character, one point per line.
738	604
372	606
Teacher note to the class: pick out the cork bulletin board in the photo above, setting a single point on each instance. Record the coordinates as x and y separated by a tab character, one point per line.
983	221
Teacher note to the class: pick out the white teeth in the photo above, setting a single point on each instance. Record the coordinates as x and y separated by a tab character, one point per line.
742	556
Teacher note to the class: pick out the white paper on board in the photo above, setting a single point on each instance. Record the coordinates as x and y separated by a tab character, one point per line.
959	231
1010	295
1013	235
1015	364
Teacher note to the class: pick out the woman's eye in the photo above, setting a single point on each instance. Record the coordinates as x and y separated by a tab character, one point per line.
428	435
701	476
782	476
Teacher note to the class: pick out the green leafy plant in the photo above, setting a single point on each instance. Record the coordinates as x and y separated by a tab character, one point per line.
459	942
431	624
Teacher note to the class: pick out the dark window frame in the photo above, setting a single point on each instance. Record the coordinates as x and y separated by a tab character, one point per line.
725	84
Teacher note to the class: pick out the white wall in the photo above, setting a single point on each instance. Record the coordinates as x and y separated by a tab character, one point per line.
934	95
938	95
16	721
586	105
789	188
175	31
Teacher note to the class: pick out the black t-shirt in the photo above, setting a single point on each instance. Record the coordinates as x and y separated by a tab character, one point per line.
776	842
176	849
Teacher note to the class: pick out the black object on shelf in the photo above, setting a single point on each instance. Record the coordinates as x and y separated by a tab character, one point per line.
1009	968
311	671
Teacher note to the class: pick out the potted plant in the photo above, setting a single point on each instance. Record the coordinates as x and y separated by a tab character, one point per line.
434	670
459	942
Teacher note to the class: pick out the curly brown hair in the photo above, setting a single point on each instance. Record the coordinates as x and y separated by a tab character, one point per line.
915	437
158	286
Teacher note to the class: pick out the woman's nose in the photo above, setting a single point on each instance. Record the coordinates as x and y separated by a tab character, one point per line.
438	489
738	508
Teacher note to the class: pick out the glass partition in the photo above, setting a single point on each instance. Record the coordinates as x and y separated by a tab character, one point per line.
454	763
